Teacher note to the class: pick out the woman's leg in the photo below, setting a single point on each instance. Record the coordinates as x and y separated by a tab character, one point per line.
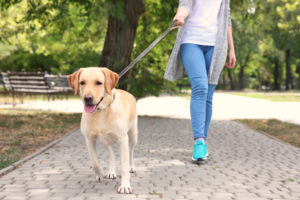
209	99
211	89
193	60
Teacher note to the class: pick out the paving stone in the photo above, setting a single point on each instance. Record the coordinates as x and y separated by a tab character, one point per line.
78	198
38	197
14	198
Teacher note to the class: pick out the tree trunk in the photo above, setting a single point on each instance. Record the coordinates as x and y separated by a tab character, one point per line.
288	80
119	38
276	74
241	78
230	79
298	72
241	73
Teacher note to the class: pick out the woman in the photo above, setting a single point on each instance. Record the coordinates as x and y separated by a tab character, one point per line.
201	47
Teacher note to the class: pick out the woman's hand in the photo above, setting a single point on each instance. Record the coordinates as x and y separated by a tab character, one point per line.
232	60
181	14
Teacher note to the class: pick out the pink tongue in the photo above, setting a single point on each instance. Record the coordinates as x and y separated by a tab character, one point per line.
89	108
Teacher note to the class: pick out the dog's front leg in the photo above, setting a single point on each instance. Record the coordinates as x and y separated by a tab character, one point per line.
111	174
91	145
125	181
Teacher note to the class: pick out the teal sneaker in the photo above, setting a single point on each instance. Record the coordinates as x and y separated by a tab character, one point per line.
200	151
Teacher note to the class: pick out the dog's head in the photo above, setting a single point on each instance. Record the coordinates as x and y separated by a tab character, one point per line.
95	86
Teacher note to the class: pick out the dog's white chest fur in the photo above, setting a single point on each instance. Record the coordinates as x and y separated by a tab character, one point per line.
98	125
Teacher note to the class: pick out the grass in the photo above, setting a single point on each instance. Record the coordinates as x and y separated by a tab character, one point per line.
23	132
287	132
6	98
271	96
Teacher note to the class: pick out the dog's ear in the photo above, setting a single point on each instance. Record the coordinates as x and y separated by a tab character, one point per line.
73	80
111	79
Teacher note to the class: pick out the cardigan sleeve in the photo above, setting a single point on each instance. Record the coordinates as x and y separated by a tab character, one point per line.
229	17
184	3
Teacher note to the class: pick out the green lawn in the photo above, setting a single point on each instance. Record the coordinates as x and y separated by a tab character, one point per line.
6	98
271	96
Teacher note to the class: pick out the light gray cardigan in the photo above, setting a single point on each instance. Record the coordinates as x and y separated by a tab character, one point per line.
175	69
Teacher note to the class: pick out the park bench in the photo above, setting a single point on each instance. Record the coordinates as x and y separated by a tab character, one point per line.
58	82
30	83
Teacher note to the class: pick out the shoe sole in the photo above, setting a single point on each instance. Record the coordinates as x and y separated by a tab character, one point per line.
200	159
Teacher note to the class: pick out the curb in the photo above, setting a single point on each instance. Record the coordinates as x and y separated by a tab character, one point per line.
38	152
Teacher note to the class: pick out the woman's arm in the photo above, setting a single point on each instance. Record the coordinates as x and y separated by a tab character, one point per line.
232	58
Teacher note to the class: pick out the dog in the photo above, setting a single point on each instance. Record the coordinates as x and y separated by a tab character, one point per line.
110	115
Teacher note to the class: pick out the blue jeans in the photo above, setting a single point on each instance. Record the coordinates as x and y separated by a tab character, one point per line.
196	60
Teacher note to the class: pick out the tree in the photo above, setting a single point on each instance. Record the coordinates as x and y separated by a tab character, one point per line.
246	39
68	33
147	76
285	31
120	36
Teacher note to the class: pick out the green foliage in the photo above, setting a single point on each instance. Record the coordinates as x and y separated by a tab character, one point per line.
59	36
147	76
63	35
21	60
263	30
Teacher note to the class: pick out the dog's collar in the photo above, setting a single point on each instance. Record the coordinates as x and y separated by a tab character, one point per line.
111	101
100	101
114	97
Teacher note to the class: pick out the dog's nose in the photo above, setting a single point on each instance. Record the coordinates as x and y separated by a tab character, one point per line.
88	99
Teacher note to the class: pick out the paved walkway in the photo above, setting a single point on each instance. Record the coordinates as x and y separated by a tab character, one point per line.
243	165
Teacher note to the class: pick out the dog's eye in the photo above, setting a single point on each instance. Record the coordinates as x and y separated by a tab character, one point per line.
98	83
82	82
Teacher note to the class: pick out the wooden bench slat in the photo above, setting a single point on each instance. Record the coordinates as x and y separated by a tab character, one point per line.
26	78
31	86
63	89
36	91
26	74
27	82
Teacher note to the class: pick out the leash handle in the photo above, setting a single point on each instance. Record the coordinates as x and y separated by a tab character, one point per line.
137	59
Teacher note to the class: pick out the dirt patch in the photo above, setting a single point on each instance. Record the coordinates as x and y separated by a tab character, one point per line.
24	132
284	131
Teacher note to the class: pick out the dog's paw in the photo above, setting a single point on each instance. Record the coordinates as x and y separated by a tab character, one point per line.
125	189
132	170
111	174
99	178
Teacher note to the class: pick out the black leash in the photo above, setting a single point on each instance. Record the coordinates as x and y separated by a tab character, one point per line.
171	27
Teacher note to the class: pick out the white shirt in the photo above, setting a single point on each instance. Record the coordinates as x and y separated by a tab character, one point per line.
202	25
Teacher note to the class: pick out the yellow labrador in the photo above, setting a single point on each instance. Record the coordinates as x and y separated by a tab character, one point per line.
110	115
